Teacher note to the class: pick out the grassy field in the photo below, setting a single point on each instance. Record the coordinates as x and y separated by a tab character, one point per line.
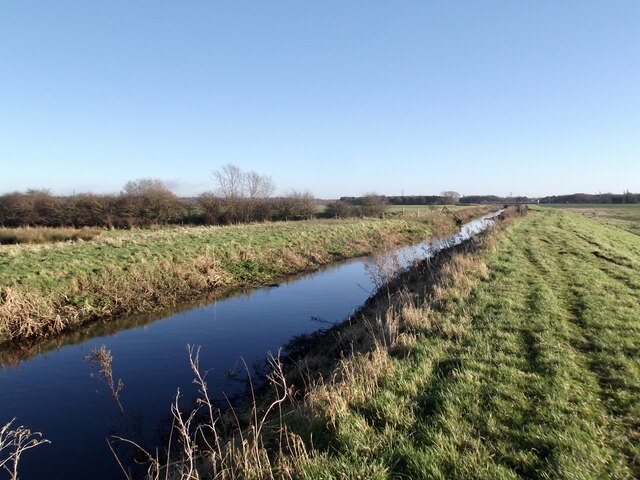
48	288
421	209
625	216
522	361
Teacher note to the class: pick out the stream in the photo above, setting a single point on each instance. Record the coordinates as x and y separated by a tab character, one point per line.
52	390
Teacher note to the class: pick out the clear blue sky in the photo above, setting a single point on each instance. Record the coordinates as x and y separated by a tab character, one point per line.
338	97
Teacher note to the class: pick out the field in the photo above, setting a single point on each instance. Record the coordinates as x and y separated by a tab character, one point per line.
48	288
624	216
421	209
523	361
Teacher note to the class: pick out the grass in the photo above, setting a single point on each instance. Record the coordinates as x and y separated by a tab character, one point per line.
524	363
625	216
45	289
41	235
520	359
421	209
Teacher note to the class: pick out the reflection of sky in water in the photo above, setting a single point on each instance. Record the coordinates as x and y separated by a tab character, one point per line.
54	393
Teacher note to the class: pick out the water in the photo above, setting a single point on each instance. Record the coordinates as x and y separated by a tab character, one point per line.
51	389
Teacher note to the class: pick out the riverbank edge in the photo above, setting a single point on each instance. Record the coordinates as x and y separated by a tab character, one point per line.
27	315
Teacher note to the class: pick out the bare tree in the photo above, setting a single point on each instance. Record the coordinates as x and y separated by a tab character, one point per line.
230	181
231	186
451	196
259	188
245	194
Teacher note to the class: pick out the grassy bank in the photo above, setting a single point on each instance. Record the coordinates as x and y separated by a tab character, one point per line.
45	289
522	361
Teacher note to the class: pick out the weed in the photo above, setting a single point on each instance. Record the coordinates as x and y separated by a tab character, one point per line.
101	359
14	442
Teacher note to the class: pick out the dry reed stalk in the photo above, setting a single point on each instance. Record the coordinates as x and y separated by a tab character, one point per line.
203	447
101	359
14	442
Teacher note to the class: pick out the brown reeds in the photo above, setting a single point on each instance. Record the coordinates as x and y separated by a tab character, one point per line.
43	235
101	359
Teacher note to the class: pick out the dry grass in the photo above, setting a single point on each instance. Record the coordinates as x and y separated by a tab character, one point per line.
42	235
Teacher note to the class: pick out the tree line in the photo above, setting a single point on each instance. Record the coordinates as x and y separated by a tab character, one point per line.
240	197
447	198
601	198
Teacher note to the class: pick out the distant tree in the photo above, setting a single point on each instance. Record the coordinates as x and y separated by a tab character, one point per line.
295	205
16	209
451	196
212	206
373	205
231	185
245	194
339	209
151	201
259	189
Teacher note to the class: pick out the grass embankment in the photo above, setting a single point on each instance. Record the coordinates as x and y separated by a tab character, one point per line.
522	362
46	289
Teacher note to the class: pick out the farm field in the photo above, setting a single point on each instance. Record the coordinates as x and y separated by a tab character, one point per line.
624	216
523	362
47	288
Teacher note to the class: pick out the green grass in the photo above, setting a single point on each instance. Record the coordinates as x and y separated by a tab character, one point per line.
625	216
529	368
53	266
422	208
45	289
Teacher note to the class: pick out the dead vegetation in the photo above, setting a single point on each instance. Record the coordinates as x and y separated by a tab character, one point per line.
14	442
42	235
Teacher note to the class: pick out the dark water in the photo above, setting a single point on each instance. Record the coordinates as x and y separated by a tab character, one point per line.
53	391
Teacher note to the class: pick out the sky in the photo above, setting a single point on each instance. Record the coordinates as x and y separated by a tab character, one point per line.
335	97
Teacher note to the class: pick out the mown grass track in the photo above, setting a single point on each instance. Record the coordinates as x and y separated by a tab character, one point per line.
533	371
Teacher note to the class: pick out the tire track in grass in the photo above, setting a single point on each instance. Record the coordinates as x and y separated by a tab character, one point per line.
603	333
601	369
559	424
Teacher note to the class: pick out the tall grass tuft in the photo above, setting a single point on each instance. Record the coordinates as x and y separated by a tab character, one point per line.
42	235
